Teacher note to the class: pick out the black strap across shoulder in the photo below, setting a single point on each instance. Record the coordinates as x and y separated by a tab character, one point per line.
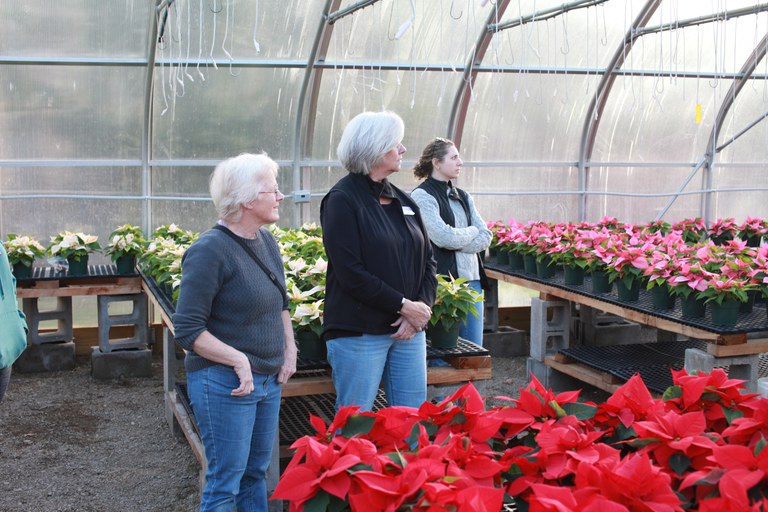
253	255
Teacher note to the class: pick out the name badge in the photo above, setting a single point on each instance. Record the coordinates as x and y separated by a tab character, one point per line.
407	210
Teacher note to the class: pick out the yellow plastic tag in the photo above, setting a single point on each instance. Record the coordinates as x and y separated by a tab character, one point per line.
698	113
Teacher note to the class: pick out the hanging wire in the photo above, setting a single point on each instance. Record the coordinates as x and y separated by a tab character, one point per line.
566	48
451	11
714	83
179	74
213	38
231	40
189	41
162	81
256	44
405	26
389	24
604	39
565	98
658	82
200	41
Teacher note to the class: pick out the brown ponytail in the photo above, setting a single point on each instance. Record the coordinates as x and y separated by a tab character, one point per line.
438	148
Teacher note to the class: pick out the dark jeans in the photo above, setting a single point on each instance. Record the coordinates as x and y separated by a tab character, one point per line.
5	377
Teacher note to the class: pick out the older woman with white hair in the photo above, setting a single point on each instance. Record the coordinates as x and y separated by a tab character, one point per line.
381	279
232	318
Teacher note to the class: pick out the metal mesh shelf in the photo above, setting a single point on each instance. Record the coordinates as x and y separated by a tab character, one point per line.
94	271
653	361
756	320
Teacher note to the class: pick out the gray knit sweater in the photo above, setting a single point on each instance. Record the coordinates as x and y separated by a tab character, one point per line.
225	292
467	241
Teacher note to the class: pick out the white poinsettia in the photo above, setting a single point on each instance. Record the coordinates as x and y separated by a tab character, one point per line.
126	240
299	295
23	249
73	245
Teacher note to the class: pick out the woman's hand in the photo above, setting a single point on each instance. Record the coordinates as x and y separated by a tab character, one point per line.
208	346
289	363
405	329
416	313
243	370
291	352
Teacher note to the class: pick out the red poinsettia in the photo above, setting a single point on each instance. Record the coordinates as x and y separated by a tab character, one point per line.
752	428
714	393
700	448
631	402
678	442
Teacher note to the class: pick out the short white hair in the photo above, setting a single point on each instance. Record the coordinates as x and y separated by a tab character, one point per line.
239	180
367	138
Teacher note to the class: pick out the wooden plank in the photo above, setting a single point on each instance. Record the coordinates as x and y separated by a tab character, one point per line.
450	375
55	288
749	348
630	314
186	427
461	362
308	386
322	384
583	373
153	300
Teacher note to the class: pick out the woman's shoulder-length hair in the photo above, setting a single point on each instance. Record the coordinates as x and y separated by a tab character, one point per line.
366	138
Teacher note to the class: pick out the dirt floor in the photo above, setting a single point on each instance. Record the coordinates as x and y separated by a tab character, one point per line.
72	443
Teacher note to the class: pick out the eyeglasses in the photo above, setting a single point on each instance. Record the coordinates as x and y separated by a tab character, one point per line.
276	192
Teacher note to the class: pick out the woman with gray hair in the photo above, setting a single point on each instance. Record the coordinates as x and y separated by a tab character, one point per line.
232	319
381	280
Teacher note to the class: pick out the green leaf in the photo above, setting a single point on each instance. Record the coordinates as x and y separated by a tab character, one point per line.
317	503
672	392
679	463
559	410
732	414
581	411
759	446
357	424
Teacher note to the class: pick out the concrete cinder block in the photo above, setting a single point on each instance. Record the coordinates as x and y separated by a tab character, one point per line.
120	364
739	367
62	313
137	318
48	357
506	342
550	327
602	329
551	378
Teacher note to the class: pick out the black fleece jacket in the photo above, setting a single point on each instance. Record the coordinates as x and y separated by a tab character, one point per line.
377	255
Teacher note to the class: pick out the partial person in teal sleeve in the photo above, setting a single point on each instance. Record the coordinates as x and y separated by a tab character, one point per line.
457	232
13	325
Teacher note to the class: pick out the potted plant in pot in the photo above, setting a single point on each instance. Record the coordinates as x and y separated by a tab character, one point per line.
730	285
574	252
752	231
723	230
75	248
688	279
22	251
307	320
126	243
454	300
161	261
305	271
626	264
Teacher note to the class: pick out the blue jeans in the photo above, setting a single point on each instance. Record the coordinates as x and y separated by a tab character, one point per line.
472	329
361	363
238	434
